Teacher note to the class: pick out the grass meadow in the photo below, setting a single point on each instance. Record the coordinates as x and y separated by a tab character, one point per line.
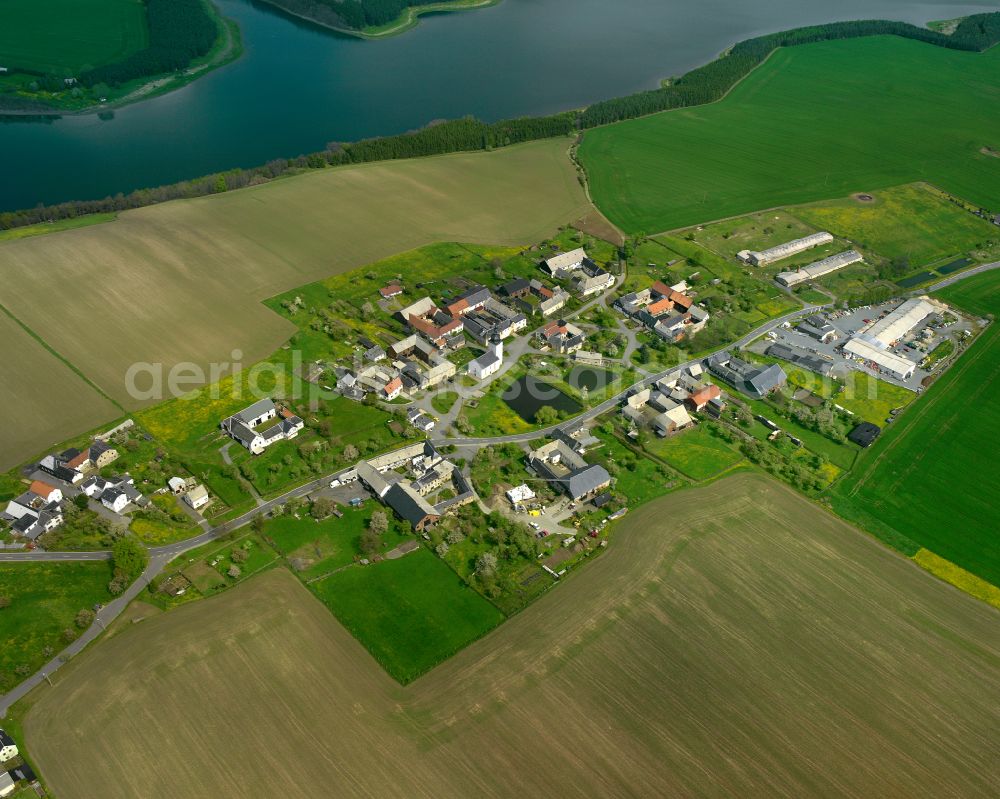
695	453
44	600
930	479
68	36
912	222
184	281
410	613
746	631
776	140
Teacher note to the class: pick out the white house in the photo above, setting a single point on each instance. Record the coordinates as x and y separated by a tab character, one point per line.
95	486
114	499
520	494
249	427
7	784
197	497
393	389
178	485
45	491
489	362
8	749
565	263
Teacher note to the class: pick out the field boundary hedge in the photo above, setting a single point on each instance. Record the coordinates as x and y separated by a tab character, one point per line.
702	85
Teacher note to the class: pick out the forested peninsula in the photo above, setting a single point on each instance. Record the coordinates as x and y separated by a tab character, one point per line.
702	85
179	35
371	18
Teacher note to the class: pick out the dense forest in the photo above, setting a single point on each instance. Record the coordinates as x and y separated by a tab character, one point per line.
179	32
705	84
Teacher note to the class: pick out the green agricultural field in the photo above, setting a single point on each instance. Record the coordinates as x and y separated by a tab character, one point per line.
930	480
776	140
695	453
44	600
913	223
410	613
210	262
65	37
761	647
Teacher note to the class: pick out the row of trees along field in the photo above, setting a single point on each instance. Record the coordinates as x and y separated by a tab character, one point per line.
702	85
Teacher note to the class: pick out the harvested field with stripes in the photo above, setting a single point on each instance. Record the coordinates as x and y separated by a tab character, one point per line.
184	281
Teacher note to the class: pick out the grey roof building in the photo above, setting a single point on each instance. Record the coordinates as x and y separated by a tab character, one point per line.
752	379
806	360
410	506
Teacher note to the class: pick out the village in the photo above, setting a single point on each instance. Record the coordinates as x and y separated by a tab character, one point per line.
466	344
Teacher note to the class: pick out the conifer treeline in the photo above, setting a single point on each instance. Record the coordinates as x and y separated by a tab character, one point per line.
705	84
179	32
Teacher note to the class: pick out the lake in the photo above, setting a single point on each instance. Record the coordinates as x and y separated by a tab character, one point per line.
298	86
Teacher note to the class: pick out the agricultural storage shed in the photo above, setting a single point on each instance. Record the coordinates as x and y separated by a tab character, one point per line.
786	250
819	268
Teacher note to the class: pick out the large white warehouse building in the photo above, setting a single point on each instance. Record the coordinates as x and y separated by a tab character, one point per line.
902	320
875	344
820	268
868	350
786	250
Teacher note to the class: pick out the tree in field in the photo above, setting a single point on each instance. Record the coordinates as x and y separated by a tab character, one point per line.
81	501
322	507
84	618
371	542
546	415
350	452
486	565
379	522
239	555
129	557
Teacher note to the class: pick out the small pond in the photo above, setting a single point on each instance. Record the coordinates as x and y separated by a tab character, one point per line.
591	378
529	395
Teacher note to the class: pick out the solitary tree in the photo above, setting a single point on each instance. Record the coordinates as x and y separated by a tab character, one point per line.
129	557
84	618
486	565
322	507
81	501
371	542
379	522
